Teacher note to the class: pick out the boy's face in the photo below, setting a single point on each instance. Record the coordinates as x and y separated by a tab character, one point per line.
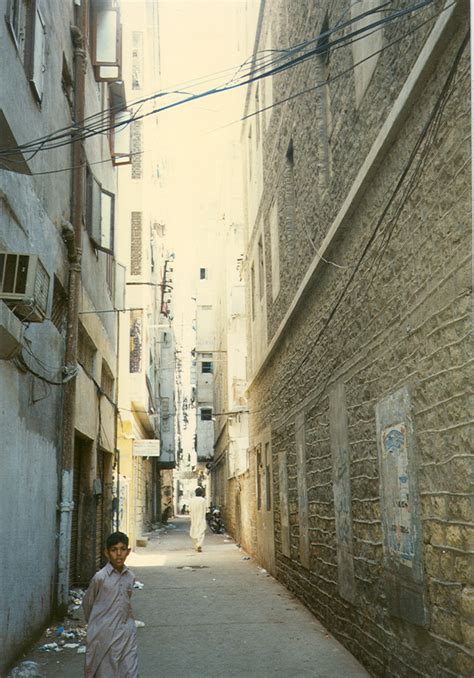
117	554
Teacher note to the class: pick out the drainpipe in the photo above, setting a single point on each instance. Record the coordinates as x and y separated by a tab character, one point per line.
66	505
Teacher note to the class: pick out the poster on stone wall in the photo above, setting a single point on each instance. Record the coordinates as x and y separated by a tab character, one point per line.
400	507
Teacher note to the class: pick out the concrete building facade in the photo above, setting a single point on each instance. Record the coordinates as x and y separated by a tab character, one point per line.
143	253
358	261
58	325
230	478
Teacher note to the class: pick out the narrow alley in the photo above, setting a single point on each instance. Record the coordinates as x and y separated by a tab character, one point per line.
236	277
215	615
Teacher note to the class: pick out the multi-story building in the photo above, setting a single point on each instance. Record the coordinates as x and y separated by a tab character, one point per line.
60	67
231	485
210	266
358	268
142	251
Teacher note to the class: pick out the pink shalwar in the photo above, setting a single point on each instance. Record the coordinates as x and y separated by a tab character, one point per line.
111	634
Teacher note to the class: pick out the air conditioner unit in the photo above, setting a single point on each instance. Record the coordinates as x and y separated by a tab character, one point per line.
24	285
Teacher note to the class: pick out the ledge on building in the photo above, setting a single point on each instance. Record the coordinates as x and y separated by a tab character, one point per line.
15	160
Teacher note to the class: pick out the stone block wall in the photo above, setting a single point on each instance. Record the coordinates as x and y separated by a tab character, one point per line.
376	359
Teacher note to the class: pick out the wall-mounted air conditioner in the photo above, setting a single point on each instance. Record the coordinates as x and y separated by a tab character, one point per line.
24	285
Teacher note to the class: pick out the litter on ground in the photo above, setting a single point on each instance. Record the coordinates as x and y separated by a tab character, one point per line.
26	669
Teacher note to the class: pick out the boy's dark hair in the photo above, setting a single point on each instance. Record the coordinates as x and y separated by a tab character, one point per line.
116	538
199	492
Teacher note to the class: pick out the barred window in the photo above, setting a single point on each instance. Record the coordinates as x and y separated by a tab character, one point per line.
86	351
59	308
107	381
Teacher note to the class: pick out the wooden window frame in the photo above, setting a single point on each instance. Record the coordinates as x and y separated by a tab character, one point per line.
31	49
102	64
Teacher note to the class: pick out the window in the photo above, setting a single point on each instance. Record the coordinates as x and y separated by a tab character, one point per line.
106	43
28	30
100	213
86	351
107	381
206	414
107	220
290	193
206	367
67	83
165	415
203	273
110	273
36	53
121	138
59	308
17	20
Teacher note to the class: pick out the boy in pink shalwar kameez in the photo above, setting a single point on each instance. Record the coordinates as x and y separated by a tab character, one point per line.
111	634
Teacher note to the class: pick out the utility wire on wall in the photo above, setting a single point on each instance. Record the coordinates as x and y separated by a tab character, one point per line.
422	146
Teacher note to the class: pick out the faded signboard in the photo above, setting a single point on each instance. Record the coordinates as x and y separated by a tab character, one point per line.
146	448
398	508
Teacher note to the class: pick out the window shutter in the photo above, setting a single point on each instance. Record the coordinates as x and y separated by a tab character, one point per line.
36	53
95	212
121	138
107	221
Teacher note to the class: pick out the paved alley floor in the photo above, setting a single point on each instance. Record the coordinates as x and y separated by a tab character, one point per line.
216	615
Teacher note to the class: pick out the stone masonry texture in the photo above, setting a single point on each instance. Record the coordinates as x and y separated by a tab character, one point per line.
394	314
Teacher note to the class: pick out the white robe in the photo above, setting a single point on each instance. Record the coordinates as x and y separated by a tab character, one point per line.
111	634
197	511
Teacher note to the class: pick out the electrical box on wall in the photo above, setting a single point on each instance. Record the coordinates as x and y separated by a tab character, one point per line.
24	285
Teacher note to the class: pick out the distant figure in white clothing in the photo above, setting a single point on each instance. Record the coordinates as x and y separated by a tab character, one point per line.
197	511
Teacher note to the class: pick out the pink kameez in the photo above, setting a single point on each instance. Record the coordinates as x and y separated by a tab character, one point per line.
111	634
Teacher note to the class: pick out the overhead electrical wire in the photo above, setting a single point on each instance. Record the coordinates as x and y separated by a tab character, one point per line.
102	115
275	104
62	138
347	70
289	98
423	144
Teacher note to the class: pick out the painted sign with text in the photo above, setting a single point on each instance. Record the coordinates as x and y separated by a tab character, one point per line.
397	493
